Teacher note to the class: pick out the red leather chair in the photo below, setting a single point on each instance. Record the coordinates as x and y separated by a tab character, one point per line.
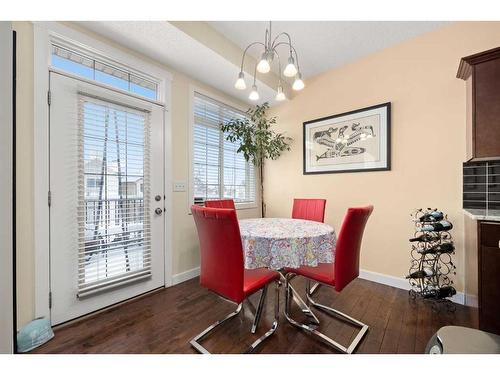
220	203
222	269
309	209
338	275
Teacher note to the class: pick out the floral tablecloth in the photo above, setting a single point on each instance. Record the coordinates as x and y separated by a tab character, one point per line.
276	243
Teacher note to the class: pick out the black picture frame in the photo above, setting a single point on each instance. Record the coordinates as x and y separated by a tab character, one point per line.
387	166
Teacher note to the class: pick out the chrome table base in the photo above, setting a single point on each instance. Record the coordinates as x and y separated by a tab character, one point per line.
195	342
291	294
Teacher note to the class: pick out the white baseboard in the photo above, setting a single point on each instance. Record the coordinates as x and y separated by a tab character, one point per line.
185	276
471	300
396	282
401	283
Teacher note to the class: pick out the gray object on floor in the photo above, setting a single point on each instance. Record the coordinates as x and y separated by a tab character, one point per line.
463	340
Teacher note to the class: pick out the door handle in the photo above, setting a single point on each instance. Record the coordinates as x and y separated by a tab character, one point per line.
158	211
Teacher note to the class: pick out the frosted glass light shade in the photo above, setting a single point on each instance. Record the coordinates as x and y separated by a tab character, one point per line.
254	94
263	66
298	84
240	82
280	96
290	69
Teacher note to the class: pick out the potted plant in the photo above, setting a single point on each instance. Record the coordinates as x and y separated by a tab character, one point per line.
258	141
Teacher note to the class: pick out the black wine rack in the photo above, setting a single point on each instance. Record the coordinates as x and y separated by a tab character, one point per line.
431	265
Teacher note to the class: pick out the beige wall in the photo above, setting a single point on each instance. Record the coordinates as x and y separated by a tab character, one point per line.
428	141
185	247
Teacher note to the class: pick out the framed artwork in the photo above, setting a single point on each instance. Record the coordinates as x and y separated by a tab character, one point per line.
356	141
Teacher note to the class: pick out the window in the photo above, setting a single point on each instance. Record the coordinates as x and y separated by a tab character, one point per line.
115	233
219	171
87	67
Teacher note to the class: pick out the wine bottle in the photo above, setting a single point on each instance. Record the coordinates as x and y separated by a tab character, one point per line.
437	227
426	237
444	248
431	216
420	274
438	293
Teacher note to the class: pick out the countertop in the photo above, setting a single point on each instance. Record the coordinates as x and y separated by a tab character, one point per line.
481	214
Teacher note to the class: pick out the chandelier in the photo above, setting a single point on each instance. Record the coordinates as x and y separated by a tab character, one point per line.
269	54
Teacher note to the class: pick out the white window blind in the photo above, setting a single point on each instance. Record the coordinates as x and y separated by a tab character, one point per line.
114	188
218	170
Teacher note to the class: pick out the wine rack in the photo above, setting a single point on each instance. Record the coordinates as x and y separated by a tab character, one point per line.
431	265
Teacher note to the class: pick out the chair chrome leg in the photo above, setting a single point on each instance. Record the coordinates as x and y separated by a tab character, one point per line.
274	326
335	313
258	313
311	290
291	292
346	318
194	342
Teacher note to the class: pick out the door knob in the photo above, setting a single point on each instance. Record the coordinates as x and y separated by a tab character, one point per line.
158	211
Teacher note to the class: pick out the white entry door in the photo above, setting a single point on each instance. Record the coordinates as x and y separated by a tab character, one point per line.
106	197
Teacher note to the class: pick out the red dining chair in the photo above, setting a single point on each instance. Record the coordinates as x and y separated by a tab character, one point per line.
309	209
220	203
222	270
338	275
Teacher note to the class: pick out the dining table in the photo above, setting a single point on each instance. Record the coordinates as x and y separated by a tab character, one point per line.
280	243
277	243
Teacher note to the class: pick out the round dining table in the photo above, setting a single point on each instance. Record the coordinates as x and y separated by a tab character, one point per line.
277	243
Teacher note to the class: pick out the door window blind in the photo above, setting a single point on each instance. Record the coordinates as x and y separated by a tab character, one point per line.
219	171
114	189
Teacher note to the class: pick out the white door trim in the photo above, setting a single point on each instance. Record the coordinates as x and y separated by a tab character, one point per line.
6	263
43	32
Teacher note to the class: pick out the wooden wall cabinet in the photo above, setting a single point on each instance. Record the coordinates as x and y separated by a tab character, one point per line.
489	276
482	75
482	271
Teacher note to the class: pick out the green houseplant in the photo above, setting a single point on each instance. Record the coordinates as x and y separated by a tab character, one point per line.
258	141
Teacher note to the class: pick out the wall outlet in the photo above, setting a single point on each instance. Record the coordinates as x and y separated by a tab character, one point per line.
179	186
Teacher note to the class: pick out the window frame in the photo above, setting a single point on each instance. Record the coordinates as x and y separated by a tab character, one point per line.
161	80
193	90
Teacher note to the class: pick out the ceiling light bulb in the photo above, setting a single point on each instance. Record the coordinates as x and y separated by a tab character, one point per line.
290	69
254	94
298	84
280	96
263	65
240	82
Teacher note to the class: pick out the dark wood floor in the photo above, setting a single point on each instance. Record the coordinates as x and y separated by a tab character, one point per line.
165	321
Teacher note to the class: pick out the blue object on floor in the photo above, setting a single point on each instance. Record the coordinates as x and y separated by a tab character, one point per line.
34	334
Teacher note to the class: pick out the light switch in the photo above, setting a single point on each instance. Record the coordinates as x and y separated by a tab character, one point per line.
179	186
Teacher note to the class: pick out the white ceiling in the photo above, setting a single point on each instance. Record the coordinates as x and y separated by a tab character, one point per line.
167	44
324	45
321	45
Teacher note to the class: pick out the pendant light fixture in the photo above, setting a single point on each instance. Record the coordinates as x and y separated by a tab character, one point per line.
264	65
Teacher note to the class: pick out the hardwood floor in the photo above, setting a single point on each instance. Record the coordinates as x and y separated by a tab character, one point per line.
165	321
